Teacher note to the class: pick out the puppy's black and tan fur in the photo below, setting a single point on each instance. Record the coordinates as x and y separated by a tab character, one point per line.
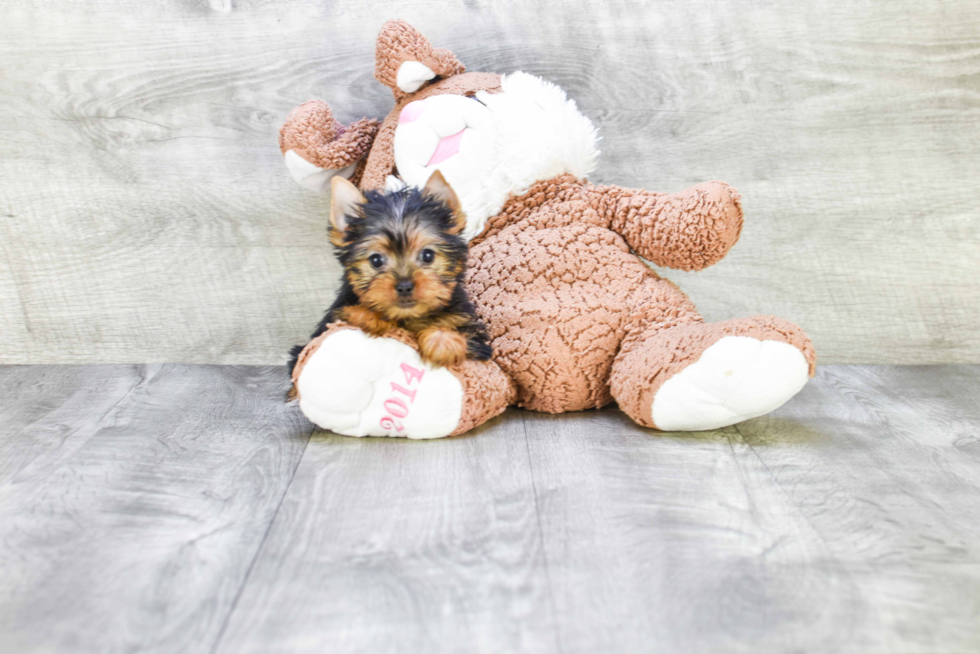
404	261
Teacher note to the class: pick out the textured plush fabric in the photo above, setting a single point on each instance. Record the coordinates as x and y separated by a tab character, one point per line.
690	230
651	355
312	132
487	390
576	318
561	291
399	42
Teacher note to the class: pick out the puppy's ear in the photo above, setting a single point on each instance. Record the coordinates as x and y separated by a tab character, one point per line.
344	200
439	188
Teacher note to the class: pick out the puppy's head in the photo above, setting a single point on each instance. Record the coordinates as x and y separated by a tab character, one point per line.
402	251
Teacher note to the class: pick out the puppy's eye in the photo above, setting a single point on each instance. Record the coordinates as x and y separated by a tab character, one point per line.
376	260
428	256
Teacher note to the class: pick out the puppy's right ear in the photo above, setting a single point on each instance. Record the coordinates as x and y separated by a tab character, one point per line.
344	200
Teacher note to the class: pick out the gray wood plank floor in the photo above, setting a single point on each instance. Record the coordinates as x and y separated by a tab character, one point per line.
177	508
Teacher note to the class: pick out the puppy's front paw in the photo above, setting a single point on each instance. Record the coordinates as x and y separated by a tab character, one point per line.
442	347
366	320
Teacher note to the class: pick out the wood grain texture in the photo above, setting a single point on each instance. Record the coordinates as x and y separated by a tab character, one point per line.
893	494
846	521
387	545
146	214
678	543
133	501
185	509
49	411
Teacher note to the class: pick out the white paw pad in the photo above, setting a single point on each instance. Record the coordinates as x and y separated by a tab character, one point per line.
356	385
735	379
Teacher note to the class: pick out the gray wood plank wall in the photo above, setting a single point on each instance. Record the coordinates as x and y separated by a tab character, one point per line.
146	215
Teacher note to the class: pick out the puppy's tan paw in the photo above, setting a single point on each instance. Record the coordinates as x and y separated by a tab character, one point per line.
366	320
442	347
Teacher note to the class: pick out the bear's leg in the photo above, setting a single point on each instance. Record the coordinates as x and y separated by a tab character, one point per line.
677	373
356	385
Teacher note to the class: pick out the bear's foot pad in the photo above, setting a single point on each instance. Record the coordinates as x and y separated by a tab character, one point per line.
735	379
357	385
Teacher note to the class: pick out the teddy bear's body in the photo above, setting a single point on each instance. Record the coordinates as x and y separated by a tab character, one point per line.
576	318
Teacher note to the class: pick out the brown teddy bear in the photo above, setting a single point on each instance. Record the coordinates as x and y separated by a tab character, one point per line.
575	317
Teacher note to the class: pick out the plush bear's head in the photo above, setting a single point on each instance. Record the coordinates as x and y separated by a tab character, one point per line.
490	135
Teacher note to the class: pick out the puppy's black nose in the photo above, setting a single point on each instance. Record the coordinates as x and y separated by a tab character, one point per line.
405	287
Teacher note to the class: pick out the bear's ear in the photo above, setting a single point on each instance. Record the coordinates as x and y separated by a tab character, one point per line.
404	60
439	188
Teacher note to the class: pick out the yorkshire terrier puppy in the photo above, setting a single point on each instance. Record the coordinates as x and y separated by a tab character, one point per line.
404	261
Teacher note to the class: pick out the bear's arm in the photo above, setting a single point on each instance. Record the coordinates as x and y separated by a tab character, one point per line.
316	147
689	230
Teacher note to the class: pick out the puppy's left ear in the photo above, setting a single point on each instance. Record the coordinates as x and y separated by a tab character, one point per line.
344	201
439	188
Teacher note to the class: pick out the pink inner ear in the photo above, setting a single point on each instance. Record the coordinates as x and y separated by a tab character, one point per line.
447	147
411	111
